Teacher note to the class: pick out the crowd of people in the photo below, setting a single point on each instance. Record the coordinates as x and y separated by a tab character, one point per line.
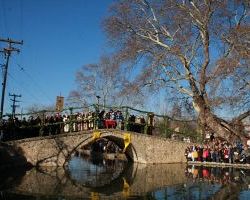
52	124
39	125
217	150
15	128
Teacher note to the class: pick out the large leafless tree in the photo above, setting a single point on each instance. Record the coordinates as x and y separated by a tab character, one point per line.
198	48
107	80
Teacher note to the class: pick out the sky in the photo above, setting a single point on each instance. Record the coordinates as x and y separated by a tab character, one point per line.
59	36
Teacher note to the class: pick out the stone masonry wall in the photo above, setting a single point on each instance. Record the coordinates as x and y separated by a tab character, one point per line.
55	150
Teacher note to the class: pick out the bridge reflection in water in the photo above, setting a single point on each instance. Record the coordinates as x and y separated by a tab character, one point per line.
118	180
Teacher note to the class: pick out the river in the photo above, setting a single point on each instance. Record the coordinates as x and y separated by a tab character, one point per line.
99	179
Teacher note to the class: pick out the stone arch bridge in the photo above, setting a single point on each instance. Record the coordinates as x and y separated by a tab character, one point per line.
57	150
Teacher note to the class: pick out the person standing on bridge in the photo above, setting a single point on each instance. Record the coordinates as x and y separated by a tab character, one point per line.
119	119
66	123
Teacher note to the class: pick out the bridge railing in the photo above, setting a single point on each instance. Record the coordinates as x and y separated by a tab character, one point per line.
74	119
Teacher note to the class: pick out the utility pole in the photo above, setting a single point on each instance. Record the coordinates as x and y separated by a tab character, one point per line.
7	51
14	106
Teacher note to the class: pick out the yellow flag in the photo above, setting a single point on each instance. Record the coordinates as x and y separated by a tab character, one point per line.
127	140
96	135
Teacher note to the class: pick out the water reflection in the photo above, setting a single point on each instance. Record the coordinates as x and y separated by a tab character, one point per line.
119	180
216	175
95	173
223	183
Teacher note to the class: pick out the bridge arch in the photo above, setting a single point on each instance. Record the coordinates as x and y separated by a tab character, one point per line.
129	151
117	138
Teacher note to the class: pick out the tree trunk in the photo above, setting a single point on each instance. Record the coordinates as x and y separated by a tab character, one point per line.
211	122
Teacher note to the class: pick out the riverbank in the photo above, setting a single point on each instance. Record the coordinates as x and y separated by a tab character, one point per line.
216	164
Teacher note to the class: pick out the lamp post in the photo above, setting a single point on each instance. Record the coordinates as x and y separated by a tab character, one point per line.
98	101
97	120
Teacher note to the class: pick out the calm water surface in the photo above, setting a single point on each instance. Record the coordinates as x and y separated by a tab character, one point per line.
88	179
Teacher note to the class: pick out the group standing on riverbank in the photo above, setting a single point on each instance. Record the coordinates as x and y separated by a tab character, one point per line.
219	151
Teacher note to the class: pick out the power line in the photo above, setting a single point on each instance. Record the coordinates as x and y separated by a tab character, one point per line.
31	81
23	88
22	69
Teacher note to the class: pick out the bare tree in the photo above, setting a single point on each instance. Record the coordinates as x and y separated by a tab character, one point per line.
106	80
199	49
